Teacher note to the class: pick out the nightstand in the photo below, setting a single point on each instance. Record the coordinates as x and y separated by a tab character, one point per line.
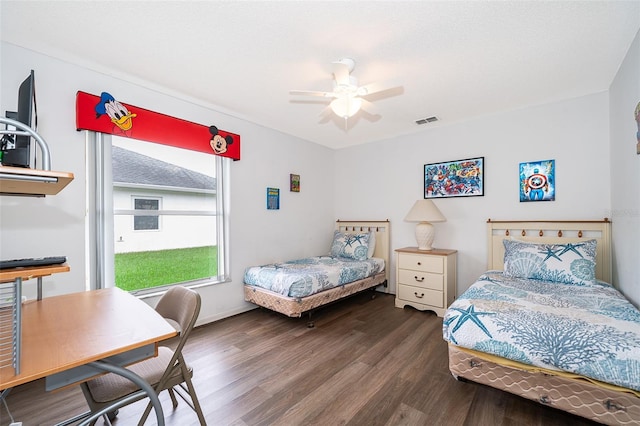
425	280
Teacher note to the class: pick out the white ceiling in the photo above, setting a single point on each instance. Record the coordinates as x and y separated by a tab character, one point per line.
454	60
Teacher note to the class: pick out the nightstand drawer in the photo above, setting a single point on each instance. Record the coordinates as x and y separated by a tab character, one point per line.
421	279
421	295
417	262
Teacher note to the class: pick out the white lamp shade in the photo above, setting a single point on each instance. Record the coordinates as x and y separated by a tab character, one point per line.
346	106
424	212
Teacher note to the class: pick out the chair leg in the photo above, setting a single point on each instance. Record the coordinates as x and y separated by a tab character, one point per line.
172	394
194	400
146	413
111	415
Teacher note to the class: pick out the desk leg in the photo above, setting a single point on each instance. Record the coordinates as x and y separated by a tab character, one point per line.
127	374
39	288
18	326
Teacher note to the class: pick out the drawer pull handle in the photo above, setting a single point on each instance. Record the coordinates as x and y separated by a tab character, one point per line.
419	263
416	294
419	280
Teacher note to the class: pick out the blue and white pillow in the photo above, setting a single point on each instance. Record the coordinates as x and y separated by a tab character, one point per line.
354	246
570	263
372	244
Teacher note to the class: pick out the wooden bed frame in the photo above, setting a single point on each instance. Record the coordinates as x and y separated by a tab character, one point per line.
297	306
602	403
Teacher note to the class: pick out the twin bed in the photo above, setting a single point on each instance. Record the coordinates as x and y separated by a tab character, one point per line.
544	322
358	260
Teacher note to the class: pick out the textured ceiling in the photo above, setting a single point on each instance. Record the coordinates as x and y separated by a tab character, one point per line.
454	60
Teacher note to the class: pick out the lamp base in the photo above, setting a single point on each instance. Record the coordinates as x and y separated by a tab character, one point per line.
425	233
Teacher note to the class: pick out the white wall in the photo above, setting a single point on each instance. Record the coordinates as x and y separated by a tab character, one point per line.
383	180
625	174
55	225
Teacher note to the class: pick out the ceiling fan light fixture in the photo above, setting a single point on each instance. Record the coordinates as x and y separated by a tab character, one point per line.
347	97
346	106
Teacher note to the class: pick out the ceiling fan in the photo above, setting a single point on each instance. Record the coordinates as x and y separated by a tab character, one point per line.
347	97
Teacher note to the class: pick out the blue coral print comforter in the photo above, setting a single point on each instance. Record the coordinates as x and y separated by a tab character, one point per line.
590	330
303	277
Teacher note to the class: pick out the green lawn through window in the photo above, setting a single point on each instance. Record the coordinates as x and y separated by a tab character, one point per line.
147	269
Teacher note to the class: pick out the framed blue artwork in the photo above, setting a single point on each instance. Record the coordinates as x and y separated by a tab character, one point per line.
273	198
538	181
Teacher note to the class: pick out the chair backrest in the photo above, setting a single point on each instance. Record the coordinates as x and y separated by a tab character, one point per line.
182	306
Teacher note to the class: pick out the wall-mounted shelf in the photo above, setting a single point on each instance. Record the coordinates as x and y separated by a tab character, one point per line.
26	181
21	181
9	275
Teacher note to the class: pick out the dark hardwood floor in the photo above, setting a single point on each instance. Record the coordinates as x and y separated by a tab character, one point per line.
365	363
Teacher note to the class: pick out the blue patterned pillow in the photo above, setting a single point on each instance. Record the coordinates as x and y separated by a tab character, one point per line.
354	246
570	263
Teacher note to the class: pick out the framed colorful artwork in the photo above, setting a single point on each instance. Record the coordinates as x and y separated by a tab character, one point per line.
273	198
538	181
294	183
460	178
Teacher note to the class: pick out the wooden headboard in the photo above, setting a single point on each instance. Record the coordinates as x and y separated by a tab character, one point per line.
558	232
382	230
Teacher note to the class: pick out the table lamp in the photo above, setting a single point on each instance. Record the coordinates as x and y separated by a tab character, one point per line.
424	212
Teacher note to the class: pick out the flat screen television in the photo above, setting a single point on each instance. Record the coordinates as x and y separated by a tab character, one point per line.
20	153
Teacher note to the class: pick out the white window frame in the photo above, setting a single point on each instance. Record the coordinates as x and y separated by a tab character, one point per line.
99	224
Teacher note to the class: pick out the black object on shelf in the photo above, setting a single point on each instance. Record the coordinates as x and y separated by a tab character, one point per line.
32	261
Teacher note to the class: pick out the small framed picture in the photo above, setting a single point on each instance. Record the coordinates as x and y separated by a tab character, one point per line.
460	178
273	198
538	181
294	183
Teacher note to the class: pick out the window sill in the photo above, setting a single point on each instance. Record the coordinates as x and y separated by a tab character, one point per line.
159	291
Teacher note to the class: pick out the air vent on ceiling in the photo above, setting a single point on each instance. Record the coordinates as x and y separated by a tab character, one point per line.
427	120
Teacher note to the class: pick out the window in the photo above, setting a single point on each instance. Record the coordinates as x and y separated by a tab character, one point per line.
146	223
159	215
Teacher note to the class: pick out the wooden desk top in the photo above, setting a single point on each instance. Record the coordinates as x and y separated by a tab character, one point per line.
62	332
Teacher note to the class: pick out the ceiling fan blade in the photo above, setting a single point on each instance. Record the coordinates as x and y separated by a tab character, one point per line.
369	111
312	93
368	106
370	116
341	71
325	115
372	88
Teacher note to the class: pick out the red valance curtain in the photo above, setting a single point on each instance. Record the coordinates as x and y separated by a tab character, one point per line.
107	115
